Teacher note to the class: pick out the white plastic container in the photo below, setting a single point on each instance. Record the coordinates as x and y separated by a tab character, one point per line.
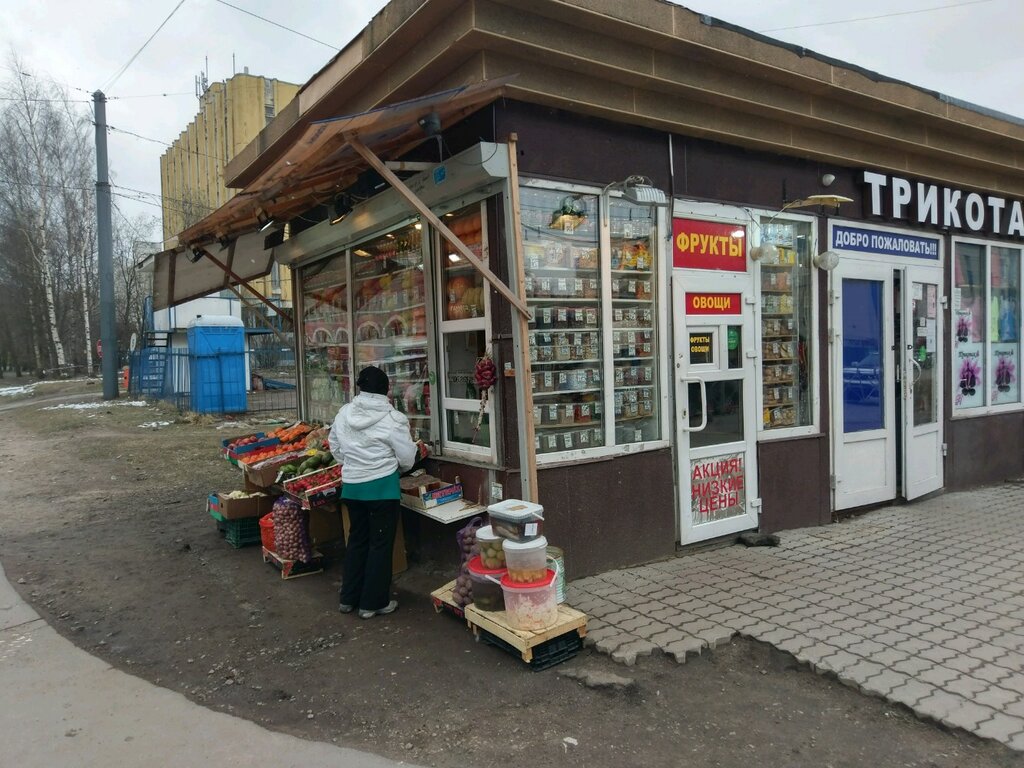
531	607
526	561
516	520
491	553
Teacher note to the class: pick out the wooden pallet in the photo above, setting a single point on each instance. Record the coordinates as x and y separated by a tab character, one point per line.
492	624
443	600
293	569
495	623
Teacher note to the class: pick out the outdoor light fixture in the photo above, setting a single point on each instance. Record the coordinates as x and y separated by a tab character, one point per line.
639	190
431	124
263	221
569	214
828	260
196	255
342	208
828	179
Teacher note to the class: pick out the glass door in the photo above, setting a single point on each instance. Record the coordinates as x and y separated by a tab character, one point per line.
922	382
864	376
716	412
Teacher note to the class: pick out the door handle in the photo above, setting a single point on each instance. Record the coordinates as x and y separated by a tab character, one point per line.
917	370
703	405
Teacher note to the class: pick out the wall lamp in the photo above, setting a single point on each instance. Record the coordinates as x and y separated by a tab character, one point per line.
342	206
264	221
827	260
639	190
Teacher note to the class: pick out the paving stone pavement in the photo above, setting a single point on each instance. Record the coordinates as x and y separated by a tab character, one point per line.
920	604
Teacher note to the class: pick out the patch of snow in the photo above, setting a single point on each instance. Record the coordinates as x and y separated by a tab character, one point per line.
91	406
13	391
155	424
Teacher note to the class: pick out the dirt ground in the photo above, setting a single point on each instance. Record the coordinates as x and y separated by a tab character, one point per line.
105	533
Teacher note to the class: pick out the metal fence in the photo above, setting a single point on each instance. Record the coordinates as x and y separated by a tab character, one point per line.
259	380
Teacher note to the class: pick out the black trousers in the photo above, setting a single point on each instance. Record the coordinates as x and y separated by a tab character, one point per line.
366	579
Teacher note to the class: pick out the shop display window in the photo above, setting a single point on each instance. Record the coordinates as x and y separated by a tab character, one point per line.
390	320
787	376
463	302
593	338
986	326
325	315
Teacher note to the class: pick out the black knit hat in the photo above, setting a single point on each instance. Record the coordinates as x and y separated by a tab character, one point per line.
373	380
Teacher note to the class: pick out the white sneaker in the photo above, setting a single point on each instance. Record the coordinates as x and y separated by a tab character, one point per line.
389	608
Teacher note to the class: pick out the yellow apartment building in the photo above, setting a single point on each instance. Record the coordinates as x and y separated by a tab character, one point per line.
232	113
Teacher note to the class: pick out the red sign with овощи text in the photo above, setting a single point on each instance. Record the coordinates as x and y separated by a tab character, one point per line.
713	304
708	245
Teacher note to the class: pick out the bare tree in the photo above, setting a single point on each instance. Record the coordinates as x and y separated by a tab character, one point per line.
46	210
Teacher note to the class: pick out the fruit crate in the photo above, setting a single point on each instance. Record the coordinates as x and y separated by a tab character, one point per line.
318	495
543	656
238	533
443	599
293	569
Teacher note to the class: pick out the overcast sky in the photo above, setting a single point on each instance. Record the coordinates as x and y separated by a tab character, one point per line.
969	49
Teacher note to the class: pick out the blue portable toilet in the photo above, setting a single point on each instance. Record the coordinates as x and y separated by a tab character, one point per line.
216	353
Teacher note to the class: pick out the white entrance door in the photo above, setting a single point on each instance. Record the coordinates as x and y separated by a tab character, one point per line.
864	367
887	382
716	409
922	381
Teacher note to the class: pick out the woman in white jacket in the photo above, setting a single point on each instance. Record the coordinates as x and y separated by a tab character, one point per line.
372	442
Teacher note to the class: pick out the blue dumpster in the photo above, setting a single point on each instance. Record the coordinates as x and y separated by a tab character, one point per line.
216	350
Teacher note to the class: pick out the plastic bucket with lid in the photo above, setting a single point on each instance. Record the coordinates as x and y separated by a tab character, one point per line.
487	592
527	561
516	520
491	553
531	606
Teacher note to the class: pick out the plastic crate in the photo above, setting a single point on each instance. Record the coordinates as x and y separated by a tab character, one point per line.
547	654
267	532
239	533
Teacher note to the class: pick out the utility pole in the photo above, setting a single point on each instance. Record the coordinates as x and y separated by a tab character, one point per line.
104	235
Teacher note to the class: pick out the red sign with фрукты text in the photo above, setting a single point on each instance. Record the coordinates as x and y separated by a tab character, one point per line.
708	245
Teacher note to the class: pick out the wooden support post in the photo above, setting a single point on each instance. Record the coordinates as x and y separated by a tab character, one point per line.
378	165
240	281
524	371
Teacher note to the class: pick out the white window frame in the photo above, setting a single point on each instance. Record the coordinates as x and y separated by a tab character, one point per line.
988	409
750	219
663	237
451	448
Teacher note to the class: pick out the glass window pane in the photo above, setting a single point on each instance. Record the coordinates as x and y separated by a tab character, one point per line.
1004	325
969	321
725	413
461	352
734	345
863	356
786	300
325	326
463	428
391	320
634	340
924	368
462	284
563	287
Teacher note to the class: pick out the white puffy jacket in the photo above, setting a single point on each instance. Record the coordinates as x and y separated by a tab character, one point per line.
370	439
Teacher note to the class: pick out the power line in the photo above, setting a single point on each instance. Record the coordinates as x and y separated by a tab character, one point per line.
881	16
122	70
59	101
166	144
150	95
17	71
282	26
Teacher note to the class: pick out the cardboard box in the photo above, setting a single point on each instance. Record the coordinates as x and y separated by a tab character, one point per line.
265	476
325	526
236	509
398	561
429	496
